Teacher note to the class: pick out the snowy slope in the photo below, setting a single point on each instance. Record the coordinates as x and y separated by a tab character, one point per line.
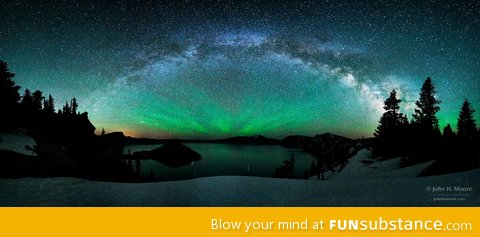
410	171
17	141
363	165
238	191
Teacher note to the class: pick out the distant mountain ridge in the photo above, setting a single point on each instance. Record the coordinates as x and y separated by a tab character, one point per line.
319	141
296	141
250	140
247	140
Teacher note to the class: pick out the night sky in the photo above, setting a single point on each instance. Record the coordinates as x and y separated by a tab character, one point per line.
212	69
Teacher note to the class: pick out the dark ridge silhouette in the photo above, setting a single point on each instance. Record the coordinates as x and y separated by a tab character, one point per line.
171	154
151	141
246	140
112	143
252	140
330	151
327	142
296	141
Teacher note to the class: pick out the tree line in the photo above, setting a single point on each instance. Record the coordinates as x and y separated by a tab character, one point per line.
66	143
420	139
19	110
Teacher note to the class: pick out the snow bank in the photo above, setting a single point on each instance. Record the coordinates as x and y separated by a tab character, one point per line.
239	191
16	142
364	165
410	171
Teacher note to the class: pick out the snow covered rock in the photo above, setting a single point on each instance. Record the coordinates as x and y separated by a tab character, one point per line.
364	165
18	142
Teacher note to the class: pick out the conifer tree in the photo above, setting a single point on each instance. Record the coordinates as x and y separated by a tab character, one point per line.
9	97
391	120
466	124
391	129
425	114
27	101
74	106
49	105
37	99
448	132
66	110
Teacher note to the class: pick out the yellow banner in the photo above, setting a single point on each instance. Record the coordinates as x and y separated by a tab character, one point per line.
364	221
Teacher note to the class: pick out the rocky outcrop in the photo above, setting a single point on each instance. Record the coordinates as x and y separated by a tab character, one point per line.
327	143
296	141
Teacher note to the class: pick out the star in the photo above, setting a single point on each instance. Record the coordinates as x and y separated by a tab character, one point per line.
213	69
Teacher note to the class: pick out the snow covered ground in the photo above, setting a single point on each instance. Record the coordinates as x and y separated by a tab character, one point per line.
363	165
244	191
17	141
364	181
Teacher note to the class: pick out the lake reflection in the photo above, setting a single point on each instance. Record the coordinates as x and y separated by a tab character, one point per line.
227	159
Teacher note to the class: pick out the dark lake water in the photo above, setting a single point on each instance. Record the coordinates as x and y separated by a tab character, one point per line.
227	159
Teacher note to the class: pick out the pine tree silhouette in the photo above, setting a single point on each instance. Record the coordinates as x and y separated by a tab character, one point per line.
469	143
425	134
66	110
74	106
27	101
448	132
466	126
9	98
37	101
390	132
448	145
425	115
49	105
391	120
